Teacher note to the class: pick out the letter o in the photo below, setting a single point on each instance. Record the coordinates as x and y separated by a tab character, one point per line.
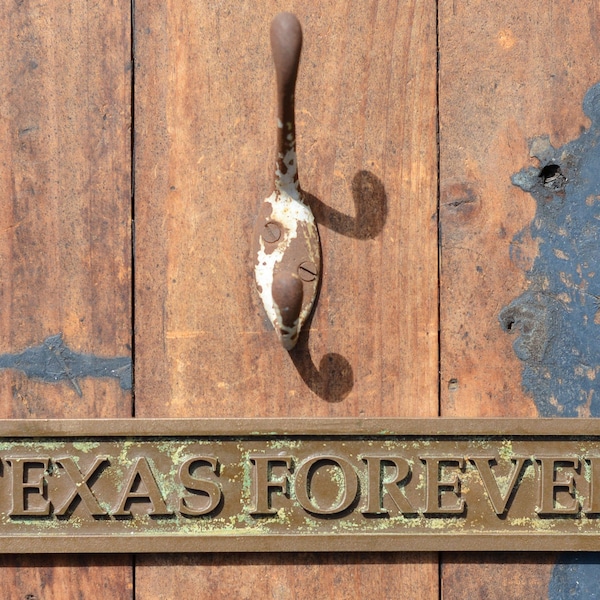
347	488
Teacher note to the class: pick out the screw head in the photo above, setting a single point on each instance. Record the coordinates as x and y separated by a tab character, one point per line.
307	271
271	232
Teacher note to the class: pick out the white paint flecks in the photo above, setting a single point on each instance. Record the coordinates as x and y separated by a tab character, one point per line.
289	210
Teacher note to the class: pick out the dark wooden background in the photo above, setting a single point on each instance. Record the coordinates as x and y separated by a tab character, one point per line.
411	115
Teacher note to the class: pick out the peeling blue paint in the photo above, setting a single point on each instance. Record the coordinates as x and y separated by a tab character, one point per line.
53	361
575	576
558	317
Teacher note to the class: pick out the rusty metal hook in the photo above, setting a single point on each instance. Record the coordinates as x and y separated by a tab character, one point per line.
286	239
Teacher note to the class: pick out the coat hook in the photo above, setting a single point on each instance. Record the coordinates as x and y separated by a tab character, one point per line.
286	239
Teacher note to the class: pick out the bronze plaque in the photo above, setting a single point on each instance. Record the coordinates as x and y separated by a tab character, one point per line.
209	485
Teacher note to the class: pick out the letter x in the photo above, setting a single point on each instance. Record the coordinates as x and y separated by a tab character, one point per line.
80	487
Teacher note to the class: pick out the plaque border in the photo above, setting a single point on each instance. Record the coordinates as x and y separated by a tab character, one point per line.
268	428
300	426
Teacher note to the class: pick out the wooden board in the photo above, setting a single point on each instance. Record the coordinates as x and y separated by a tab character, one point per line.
508	73
205	142
204	157
64	235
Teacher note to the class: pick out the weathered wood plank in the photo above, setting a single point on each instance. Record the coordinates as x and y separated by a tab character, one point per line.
343	576
65	243
507	76
496	576
205	155
67	576
205	141
508	73
65	234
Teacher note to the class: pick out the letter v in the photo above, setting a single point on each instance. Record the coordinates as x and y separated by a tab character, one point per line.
484	466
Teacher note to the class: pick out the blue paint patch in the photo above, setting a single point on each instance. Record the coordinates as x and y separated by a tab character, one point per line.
575	576
558	317
53	361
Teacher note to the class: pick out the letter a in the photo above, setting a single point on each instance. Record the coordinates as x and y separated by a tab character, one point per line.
141	486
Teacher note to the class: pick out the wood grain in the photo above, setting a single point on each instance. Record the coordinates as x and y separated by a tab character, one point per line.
343	576
205	153
65	177
496	576
508	72
68	576
205	142
65	233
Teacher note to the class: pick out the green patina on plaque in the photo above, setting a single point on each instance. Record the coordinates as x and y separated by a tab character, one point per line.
299	485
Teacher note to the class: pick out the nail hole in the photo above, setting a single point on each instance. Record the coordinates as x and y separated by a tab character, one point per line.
552	177
453	385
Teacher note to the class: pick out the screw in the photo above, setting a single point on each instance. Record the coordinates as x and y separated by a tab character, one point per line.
271	232
307	271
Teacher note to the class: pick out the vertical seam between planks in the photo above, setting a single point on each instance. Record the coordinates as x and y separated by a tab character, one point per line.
438	241
438	199
133	192
133	579
132	208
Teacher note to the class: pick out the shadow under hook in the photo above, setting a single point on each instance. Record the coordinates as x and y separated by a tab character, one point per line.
333	379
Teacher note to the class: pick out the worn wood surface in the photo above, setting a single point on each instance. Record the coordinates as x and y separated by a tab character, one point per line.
204	158
509	72
45	577
503	81
205	135
343	576
205	142
64	234
496	576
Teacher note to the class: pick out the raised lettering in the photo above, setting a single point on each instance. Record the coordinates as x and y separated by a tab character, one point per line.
29	489
342	478
80	485
437	489
592	505
377	484
140	487
550	485
484	466
264	482
208	490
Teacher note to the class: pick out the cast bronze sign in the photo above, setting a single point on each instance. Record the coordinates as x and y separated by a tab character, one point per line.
208	485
